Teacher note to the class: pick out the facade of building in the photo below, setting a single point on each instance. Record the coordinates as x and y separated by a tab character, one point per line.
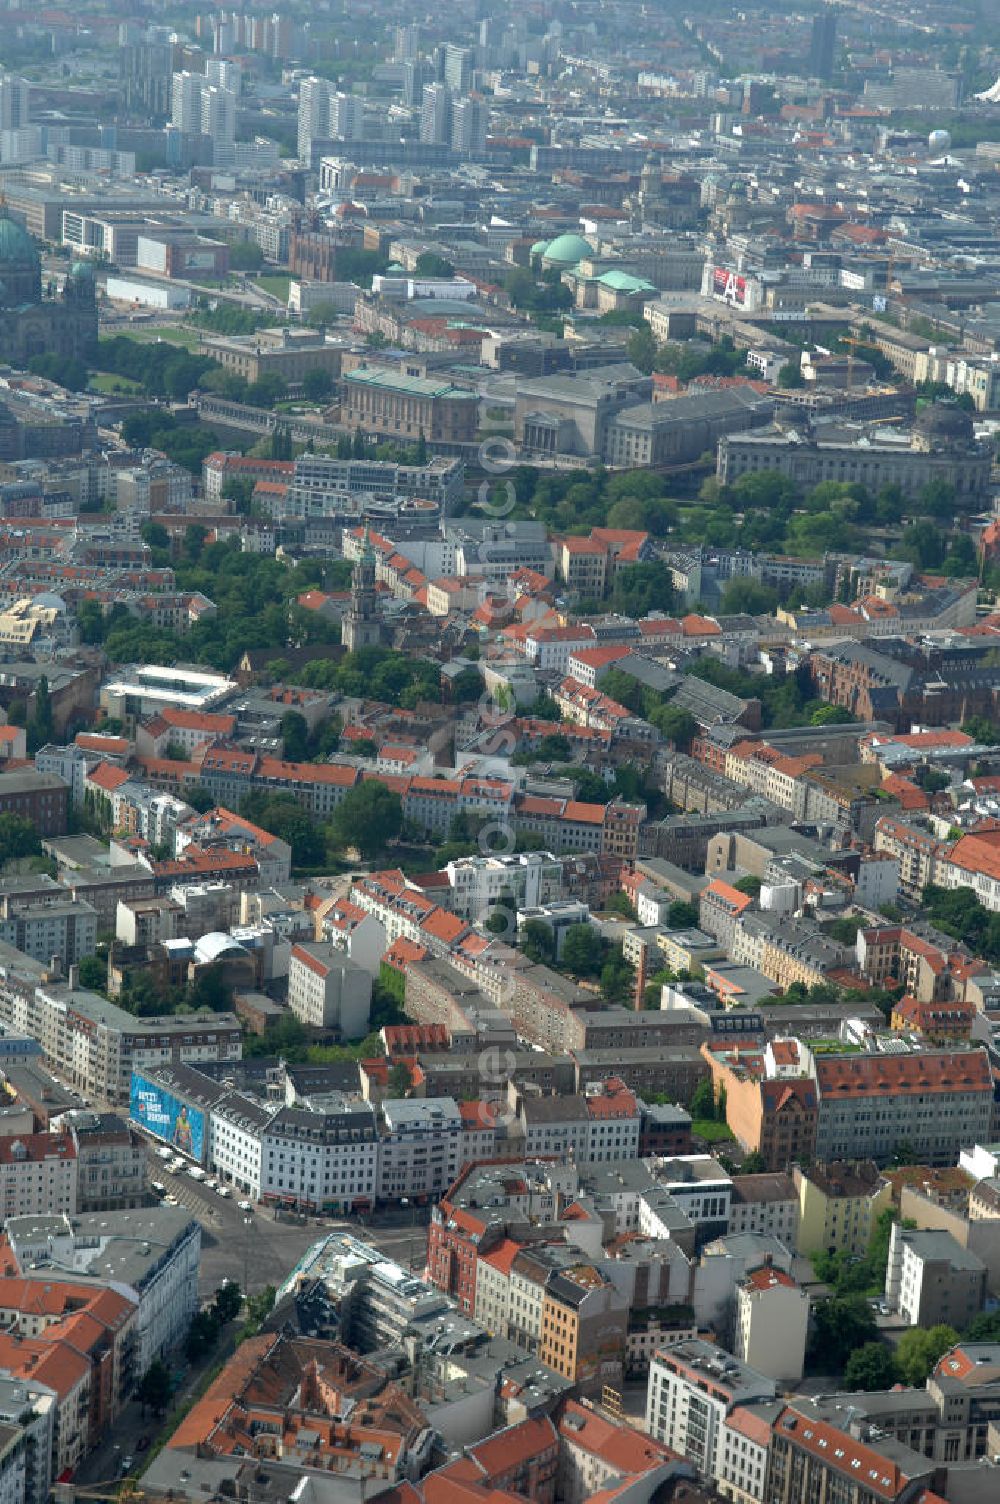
693	1388
420	1148
405	407
327	990
30	324
932	1280
771	1324
839	1205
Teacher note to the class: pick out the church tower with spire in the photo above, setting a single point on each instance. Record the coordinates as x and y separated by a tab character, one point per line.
362	624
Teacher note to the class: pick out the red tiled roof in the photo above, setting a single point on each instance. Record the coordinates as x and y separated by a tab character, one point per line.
106	776
768	1278
929	1072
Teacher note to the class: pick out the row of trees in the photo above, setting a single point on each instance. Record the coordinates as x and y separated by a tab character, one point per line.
161	369
368	819
186	444
958	912
584	954
256	609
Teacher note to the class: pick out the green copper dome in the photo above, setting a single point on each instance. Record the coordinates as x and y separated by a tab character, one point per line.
16	246
568	249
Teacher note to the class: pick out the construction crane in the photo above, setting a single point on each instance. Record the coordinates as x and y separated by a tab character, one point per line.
115	1491
853	343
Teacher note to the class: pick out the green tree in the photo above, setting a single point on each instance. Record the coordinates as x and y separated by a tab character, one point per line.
199	798
399	1082
790	376
64	371
923	544
702	1104
961	558
90	620
430	264
982	730
537	942
155	1387
677	725
617	978
620	903
641	347
295	736
284	817
18	837
202	1335
918	1351
641	588
745	595
317	385
227	1302
368	817
870	1368
840	1327
260	1306
830	715
93	973
983	1328
582	951
682	916
41	727
245	256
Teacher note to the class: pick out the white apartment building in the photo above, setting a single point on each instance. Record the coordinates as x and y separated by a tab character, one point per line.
772	1324
552	1127
931	1280
314	114
325	1161
493	1276
420	1149
237	1124
360	935
614	1123
38	1175
218	113
327	990
478	882
526	1292
549	648
746	1440
693	1388
185	102
31	1407
346	116
68	763
60	927
96	1044
151	1256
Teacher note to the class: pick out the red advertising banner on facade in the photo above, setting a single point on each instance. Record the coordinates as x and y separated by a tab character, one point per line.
729	286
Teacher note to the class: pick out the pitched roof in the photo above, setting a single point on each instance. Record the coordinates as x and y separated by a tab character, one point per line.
934	1072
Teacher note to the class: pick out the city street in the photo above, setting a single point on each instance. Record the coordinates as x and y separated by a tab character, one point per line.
257	1250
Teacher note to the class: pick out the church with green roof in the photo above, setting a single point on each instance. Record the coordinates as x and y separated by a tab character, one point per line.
33	325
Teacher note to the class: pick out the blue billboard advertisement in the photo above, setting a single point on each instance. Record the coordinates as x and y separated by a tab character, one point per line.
158	1111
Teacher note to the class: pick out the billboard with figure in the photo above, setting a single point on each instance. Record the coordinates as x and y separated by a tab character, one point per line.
157	1110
